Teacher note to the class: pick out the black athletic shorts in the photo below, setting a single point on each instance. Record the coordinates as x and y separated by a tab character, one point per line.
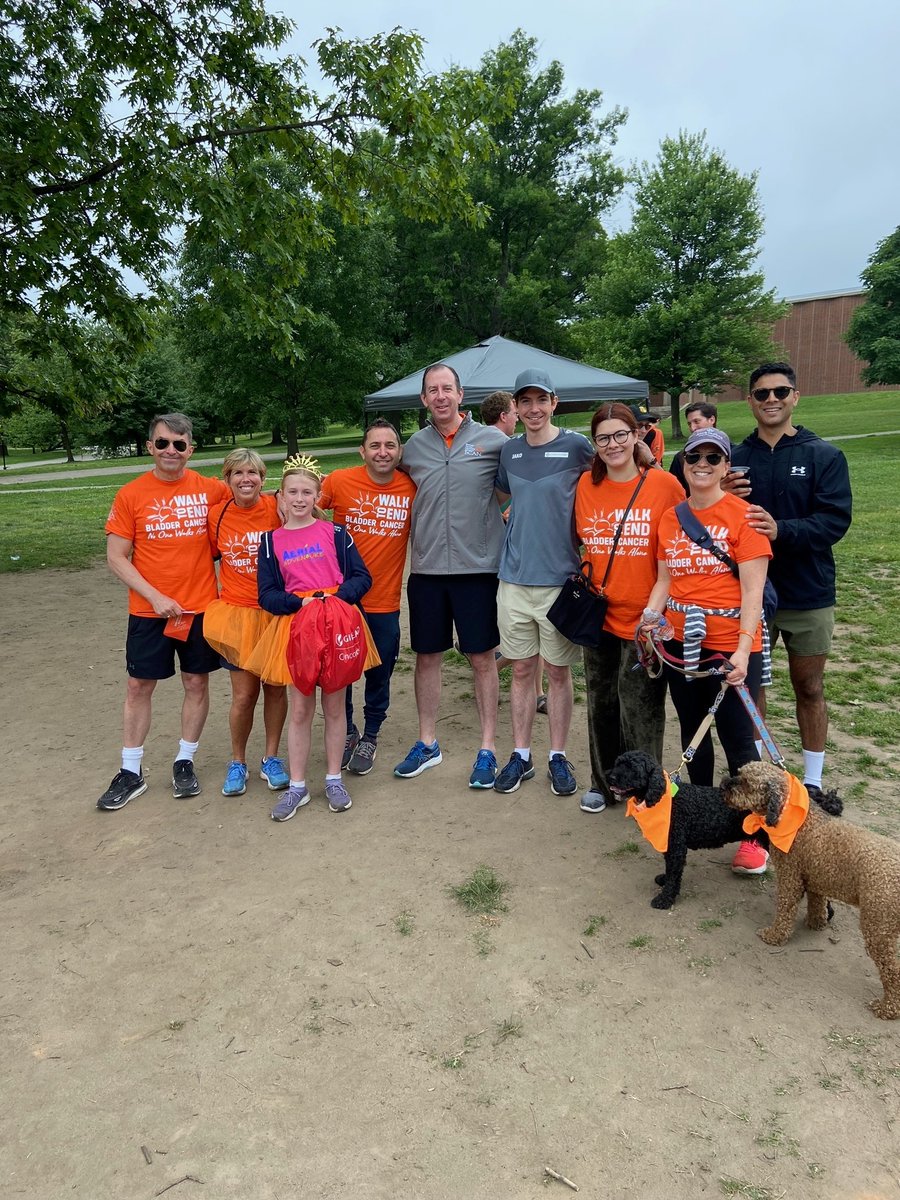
149	654
438	602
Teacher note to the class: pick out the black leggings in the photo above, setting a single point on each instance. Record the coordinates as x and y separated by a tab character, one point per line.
693	700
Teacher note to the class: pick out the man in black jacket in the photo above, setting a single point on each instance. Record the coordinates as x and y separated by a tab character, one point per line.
799	488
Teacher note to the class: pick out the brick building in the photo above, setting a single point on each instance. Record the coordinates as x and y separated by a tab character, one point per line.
812	334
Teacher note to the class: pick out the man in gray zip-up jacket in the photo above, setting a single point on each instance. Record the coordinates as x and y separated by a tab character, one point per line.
455	543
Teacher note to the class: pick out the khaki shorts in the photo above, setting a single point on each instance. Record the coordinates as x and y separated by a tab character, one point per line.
805	632
524	628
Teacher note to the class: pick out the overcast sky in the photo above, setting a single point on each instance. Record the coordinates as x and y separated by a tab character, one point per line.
805	92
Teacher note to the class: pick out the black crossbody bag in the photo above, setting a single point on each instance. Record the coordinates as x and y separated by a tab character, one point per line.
698	533
579	611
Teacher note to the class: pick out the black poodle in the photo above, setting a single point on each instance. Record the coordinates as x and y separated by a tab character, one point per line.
701	820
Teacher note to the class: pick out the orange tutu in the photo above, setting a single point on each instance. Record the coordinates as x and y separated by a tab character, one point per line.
234	630
269	659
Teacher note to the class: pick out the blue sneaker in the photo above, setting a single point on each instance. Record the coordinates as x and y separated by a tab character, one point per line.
513	773
485	770
273	772
561	776
235	779
290	801
419	759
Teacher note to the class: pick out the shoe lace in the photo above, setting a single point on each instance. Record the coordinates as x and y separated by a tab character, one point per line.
366	746
485	758
273	765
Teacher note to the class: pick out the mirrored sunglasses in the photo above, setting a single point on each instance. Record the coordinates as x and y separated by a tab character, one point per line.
178	444
780	393
713	457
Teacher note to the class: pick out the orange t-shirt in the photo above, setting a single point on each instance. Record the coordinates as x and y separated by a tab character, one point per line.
657	443
698	577
598	511
234	533
166	524
377	517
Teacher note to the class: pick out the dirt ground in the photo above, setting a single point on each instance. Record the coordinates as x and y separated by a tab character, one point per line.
302	1010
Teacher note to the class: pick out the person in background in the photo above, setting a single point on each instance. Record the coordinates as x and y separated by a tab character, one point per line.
697	415
648	428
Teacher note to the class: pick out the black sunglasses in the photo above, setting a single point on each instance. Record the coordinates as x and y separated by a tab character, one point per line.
178	444
780	393
620	437
713	457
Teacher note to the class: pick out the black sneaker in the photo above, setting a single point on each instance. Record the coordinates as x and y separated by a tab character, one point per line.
124	787
351	741
362	760
510	776
184	782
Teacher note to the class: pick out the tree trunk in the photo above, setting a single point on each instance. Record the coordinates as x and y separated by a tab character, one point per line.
674	398
277	437
291	431
66	441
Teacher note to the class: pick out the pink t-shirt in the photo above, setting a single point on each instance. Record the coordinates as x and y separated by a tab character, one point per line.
307	557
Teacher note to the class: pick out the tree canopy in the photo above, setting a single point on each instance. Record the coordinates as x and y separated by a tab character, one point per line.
124	122
679	302
874	330
544	178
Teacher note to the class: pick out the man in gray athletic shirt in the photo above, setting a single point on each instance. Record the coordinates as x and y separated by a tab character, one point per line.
539	470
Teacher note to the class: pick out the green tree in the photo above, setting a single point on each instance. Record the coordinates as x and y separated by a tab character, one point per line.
72	389
874	330
679	301
341	323
123	122
544	178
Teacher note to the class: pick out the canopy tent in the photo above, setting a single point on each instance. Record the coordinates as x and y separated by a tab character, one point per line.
494	364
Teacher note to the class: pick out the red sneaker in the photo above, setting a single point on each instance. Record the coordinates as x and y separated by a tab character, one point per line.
750	859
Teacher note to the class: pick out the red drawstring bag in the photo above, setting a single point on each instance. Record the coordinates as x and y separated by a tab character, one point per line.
327	647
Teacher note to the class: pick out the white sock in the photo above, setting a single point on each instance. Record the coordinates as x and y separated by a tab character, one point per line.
298	785
552	752
524	752
759	748
332	779
813	766
187	750
131	758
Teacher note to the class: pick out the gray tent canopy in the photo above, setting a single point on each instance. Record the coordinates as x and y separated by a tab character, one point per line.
494	364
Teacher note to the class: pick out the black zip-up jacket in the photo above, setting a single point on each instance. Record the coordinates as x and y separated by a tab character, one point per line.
804	483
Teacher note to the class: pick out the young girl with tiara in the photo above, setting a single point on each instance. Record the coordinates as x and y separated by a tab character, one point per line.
304	560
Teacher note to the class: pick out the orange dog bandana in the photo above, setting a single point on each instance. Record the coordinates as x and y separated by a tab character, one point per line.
654	822
792	817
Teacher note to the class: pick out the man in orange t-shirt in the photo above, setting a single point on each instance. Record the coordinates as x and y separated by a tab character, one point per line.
374	503
158	546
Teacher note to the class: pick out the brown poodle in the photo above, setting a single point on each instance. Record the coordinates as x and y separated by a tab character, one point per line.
828	858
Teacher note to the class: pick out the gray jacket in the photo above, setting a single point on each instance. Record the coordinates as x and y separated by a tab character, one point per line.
456	526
